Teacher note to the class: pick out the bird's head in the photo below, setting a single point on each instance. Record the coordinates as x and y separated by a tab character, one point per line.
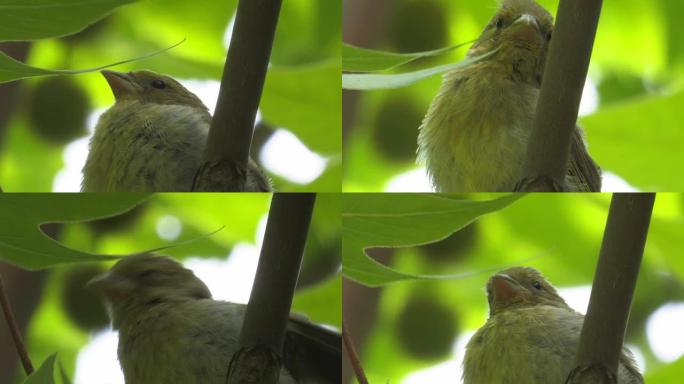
150	87
136	283
520	32
520	287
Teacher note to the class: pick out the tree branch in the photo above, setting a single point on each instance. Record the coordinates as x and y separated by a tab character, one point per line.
611	294
230	135
268	311
14	330
566	69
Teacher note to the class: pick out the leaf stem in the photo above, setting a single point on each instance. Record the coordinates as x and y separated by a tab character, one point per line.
353	355
14	330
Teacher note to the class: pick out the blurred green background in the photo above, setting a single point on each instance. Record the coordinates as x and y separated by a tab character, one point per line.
632	102
64	316
414	332
43	143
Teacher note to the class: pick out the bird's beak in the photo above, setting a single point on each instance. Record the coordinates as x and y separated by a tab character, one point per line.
505	291
525	27
123	85
527	19
110	285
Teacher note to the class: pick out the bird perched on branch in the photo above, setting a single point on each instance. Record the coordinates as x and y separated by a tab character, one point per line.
531	335
475	134
171	331
152	139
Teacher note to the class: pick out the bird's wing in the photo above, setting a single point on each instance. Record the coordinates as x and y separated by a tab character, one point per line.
313	354
632	375
583	170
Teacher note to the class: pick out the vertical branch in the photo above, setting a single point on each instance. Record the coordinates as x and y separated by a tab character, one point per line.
263	329
611	293
14	330
566	69
230	135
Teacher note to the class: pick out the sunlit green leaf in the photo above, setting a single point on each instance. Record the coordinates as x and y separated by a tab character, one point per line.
307	101
45	373
24	244
640	141
395	220
39	19
364	81
11	69
356	59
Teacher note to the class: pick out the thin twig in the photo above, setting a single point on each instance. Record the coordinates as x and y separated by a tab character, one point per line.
353	355
546	163
14	330
604	326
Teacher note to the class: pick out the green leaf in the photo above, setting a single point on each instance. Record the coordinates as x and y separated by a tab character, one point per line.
395	220
356	59
44	374
39	19
307	101
364	81
63	374
11	69
24	244
640	141
321	302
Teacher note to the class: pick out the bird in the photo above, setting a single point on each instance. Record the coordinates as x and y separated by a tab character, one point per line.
531	335
152	139
475	134
172	331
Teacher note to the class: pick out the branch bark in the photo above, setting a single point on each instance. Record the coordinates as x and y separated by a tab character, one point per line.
263	330
566	69
230	135
611	294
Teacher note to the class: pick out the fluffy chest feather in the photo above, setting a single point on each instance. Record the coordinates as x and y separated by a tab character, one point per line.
146	147
475	134
534	345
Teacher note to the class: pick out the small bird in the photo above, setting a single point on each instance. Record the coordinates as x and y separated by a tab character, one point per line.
475	134
152	139
171	331
531	335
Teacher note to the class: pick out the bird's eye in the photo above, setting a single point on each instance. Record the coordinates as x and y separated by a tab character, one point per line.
159	84
537	285
548	36
499	22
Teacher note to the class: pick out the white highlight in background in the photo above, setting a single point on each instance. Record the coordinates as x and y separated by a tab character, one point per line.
286	156
614	183
590	98
169	227
412	181
68	179
664	331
